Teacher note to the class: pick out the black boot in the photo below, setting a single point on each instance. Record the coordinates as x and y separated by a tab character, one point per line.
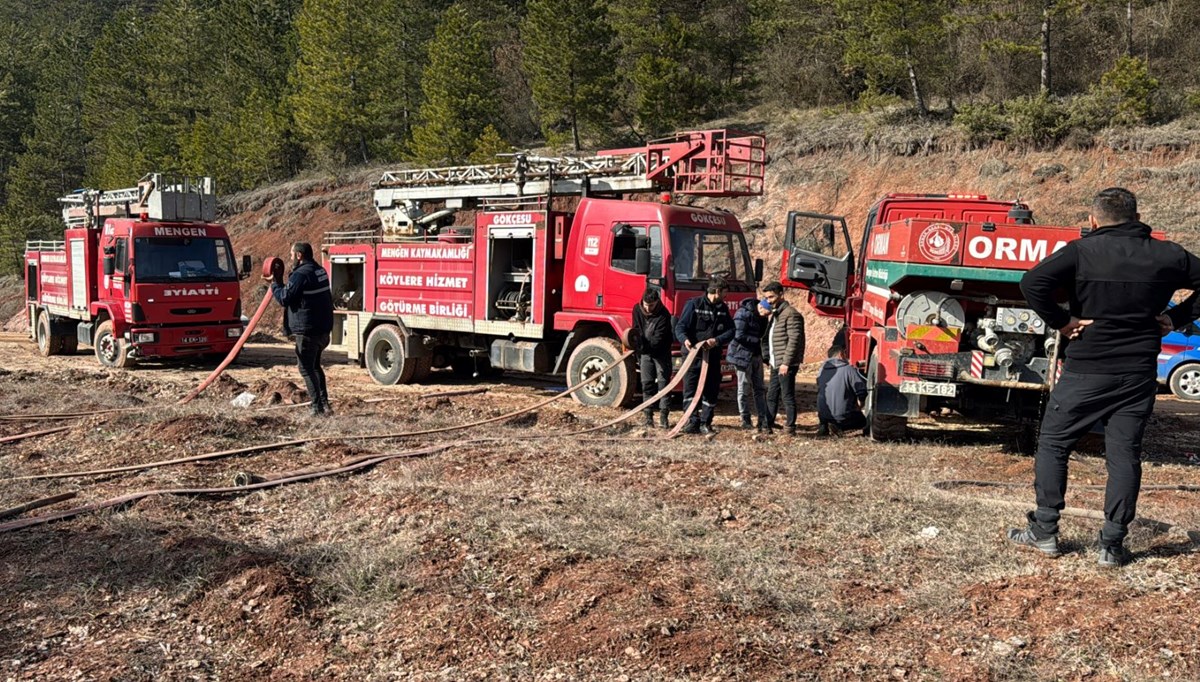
662	420
707	430
747	424
647	417
326	409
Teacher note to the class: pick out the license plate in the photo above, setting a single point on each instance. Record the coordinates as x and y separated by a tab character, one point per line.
929	388
195	339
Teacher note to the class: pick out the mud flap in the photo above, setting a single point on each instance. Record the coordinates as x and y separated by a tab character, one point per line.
889	400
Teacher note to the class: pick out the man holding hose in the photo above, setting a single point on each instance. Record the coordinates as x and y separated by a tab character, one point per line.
308	317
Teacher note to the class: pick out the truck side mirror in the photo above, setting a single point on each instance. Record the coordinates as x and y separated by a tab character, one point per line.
110	265
758	269
247	264
641	261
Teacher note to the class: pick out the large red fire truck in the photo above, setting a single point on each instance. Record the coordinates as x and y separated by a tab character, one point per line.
142	272
545	275
931	304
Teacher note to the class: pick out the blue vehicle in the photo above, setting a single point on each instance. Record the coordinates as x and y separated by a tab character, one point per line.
1179	362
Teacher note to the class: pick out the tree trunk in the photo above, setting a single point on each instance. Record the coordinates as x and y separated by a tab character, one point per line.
575	129
1046	7
918	96
1129	28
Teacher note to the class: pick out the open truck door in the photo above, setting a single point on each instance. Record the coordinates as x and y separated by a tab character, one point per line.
818	256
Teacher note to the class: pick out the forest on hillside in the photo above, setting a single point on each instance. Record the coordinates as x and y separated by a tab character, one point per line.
99	92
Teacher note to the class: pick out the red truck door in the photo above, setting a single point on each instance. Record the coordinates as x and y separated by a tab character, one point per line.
817	256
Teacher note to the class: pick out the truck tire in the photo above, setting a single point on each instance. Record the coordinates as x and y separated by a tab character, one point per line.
881	427
614	389
386	362
1185	381
111	350
47	343
68	345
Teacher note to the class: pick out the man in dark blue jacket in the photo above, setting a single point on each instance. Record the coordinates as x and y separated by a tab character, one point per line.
705	322
841	392
308	317
652	327
1117	280
746	355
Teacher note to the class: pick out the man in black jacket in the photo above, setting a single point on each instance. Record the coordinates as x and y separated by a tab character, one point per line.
1118	280
308	316
705	322
652	324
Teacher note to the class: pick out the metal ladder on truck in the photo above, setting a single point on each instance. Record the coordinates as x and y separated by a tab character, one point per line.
715	163
156	197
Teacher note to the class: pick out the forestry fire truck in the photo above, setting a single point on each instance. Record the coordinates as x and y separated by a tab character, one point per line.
141	272
545	275
931	304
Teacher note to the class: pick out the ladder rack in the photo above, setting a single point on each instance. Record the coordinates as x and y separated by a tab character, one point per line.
717	163
156	197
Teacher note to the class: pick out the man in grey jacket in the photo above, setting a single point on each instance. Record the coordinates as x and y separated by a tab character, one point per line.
841	391
784	352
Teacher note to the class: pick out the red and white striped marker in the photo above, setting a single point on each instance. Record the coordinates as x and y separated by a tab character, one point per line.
977	364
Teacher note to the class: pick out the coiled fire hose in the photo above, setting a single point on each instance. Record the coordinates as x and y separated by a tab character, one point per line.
246	482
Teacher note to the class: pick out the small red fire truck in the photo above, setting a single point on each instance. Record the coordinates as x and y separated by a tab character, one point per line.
142	272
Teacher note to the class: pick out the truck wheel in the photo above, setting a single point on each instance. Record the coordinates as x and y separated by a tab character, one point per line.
1185	382
47	343
881	427
615	388
386	361
111	350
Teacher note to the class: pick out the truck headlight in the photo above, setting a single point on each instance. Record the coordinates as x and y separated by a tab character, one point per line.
233	332
145	337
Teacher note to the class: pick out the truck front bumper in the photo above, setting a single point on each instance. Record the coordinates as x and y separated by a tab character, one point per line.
159	342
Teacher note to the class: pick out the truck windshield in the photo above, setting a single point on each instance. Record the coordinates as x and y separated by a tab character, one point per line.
174	259
697	254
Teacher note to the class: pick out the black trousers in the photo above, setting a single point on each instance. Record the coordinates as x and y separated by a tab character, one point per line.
1122	403
656	374
710	391
308	355
782	388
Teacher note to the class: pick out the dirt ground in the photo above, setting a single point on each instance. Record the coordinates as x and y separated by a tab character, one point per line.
609	557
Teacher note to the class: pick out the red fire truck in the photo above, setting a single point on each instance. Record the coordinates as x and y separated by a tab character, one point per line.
931	304
142	272
544	276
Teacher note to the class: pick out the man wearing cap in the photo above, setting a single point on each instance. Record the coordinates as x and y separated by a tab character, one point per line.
1117	281
704	322
745	354
652	340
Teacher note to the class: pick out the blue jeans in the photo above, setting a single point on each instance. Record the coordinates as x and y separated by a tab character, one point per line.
750	384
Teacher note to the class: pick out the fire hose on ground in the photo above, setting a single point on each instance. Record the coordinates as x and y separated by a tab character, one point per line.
247	482
947	489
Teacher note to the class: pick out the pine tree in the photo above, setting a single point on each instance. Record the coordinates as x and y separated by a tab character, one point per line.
461	98
900	44
569	58
355	76
665	86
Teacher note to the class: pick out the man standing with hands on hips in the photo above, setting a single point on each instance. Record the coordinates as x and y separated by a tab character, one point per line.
705	322
1117	280
307	316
